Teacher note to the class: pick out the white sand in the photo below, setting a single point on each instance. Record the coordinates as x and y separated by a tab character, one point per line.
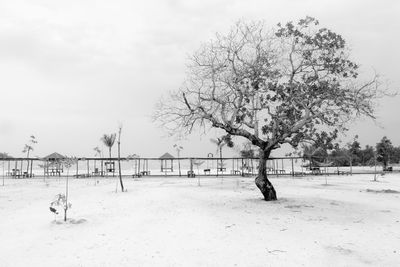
173	222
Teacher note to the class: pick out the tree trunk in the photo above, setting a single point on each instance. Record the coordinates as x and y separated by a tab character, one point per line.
66	197
119	167
27	167
109	151
262	182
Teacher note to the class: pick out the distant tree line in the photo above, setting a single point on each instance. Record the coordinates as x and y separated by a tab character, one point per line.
353	154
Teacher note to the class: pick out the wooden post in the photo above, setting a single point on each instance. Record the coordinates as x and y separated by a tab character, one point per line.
3	170
375	168
351	166
242	168
87	165
77	166
31	168
292	168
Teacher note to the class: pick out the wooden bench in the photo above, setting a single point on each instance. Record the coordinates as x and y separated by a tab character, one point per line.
207	171
221	169
83	175
315	170
191	174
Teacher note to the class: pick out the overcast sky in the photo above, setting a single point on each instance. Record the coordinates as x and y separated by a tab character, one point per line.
72	70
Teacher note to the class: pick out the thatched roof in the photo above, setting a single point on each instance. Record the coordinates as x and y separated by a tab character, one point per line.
54	156
167	156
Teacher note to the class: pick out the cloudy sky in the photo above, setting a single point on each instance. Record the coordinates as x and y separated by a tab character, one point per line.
73	70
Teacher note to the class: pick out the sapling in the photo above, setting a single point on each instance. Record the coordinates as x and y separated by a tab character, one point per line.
61	200
198	163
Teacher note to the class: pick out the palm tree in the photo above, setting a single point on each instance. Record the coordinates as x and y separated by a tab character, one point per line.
109	141
220	142
29	147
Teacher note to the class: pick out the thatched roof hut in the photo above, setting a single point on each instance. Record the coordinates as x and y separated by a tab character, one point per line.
167	156
54	156
167	162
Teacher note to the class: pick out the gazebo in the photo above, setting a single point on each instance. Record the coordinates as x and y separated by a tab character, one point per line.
167	162
53	165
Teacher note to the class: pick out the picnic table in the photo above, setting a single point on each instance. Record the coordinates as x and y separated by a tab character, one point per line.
145	173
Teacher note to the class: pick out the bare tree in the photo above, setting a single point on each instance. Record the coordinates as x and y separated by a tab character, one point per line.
271	87
119	157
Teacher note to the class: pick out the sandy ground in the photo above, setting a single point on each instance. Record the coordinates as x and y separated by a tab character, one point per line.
352	221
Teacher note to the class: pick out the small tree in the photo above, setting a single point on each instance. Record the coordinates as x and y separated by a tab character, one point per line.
119	157
272	87
178	151
108	141
384	149
367	156
29	147
221	142
96	154
248	152
61	200
198	163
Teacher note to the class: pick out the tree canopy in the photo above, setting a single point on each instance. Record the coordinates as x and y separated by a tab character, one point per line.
284	85
291	84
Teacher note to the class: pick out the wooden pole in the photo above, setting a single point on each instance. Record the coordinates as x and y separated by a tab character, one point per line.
292	168
375	168
3	172
31	167
351	166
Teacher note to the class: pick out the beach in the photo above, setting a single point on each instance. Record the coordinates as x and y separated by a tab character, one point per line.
352	221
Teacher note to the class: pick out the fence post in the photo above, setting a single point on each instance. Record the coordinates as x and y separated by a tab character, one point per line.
375	167
292	168
351	166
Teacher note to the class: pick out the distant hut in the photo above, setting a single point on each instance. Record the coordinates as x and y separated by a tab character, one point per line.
167	162
53	165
